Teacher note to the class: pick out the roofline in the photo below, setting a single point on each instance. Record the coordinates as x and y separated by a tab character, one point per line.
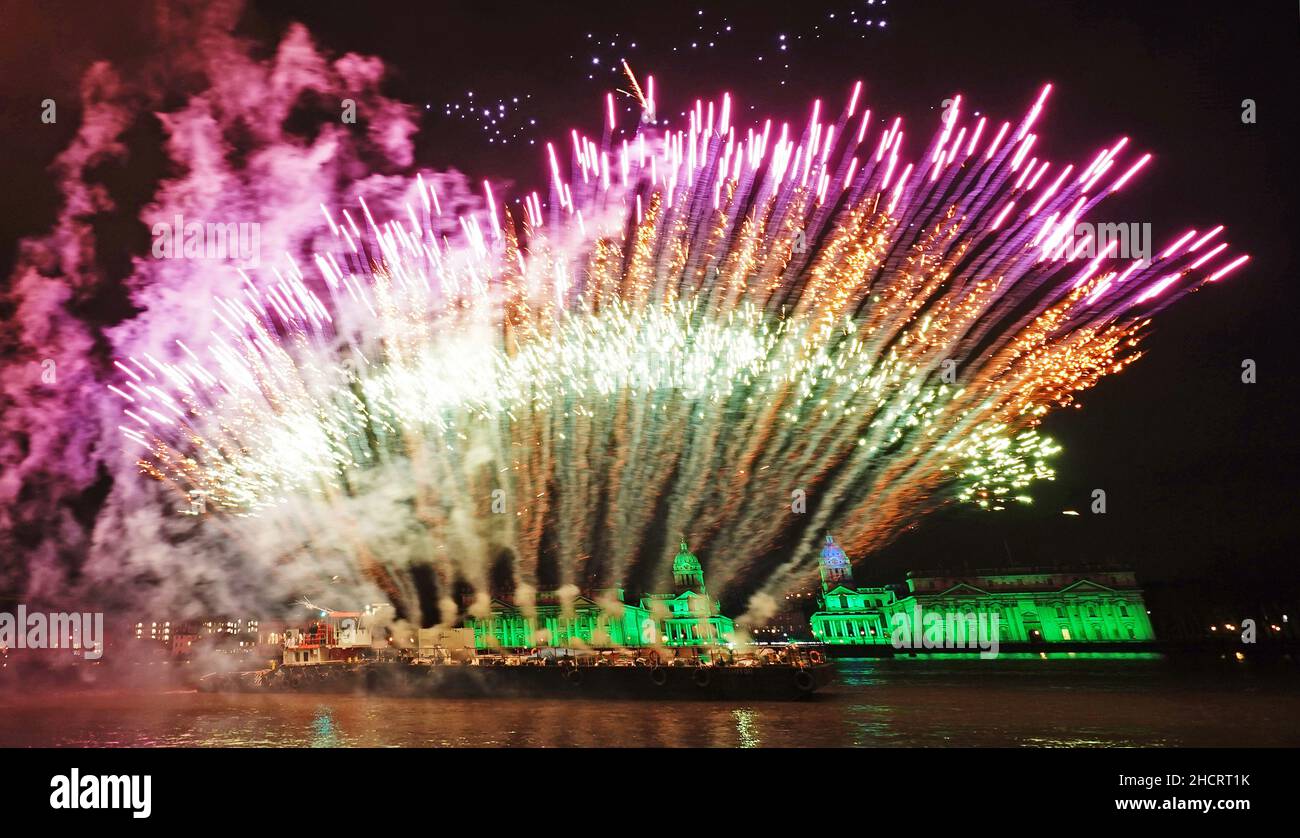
1019	571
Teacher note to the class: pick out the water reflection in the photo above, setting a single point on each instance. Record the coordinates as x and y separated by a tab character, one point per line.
745	729
325	736
1078	702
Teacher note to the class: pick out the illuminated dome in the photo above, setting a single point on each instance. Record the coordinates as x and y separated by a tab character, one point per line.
835	567
686	561
833	554
688	575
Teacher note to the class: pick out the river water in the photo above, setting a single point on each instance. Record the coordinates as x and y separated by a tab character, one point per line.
1066	701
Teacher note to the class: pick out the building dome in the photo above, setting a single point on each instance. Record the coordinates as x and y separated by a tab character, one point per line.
685	562
835	567
833	554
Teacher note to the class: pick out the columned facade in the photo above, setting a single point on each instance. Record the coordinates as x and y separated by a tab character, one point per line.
687	617
1047	606
583	621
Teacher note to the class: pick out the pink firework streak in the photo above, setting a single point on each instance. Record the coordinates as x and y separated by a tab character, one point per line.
760	301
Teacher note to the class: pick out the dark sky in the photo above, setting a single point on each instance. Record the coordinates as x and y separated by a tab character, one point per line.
1193	461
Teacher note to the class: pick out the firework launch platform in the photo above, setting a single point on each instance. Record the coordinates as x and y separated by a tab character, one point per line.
768	681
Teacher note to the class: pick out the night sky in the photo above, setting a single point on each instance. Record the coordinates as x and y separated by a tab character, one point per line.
1193	461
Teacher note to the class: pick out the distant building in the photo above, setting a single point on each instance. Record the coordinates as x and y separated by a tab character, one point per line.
155	630
1031	606
183	640
227	626
692	618
686	617
792	620
604	621
848	614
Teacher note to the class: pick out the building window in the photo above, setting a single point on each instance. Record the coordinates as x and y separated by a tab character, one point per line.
1123	610
1065	634
1060	611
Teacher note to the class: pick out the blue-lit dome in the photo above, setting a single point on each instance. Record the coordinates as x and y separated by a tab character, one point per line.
833	555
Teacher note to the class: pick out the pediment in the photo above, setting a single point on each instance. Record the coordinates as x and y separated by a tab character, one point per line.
964	589
1087	586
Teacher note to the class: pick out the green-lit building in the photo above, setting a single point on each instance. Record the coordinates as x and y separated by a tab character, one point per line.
1031	606
603	621
686	617
848	614
689	616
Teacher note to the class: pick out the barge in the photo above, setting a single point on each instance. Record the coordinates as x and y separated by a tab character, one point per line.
528	677
341	653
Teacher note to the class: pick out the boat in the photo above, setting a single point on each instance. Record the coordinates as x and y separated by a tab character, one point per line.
718	674
341	653
708	681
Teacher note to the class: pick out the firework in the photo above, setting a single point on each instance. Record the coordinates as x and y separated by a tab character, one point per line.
747	336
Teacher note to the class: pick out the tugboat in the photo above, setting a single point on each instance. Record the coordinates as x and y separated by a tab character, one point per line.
336	656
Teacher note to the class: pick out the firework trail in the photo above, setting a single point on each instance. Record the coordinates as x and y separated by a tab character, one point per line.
694	334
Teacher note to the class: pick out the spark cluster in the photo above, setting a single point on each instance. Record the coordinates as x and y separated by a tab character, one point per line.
694	328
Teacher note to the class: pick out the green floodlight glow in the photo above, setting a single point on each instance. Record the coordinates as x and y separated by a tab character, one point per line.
1048	607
